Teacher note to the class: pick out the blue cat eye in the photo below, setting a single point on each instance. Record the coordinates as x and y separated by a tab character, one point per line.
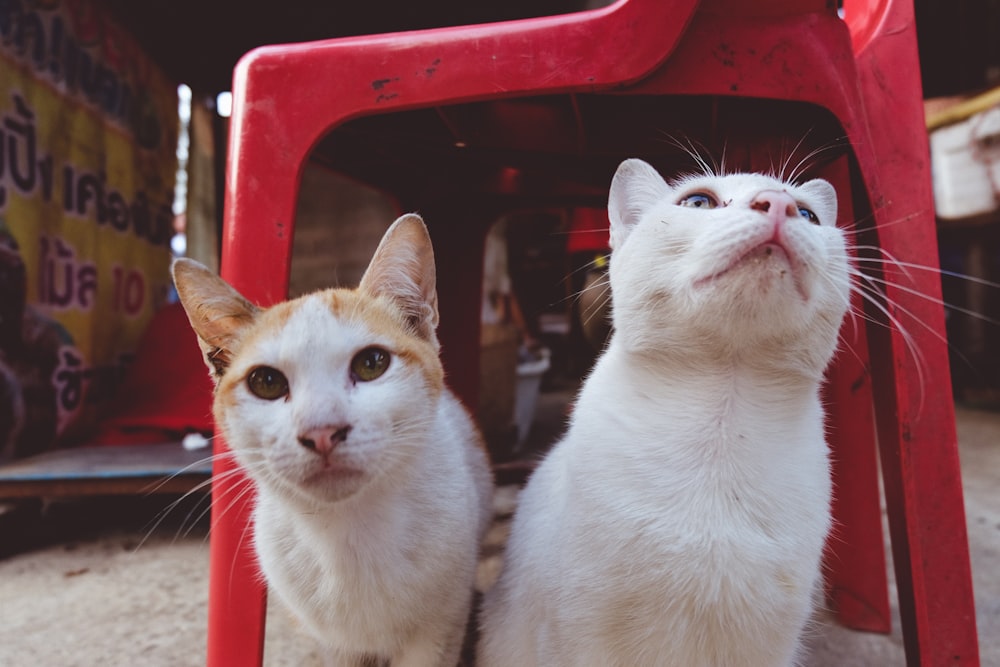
699	200
808	215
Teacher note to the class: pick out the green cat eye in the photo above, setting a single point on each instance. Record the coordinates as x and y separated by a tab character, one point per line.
369	364
267	383
699	200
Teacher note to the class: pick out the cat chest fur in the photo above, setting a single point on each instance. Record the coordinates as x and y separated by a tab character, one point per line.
719	521
356	589
728	477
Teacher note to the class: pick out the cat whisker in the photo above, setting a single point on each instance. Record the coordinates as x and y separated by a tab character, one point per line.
930	329
934	300
856	314
853	315
911	348
904	269
155	486
239	471
865	288
602	300
933	269
780	175
243	534
240	491
883	262
875	297
697	156
217	497
722	159
187	525
586	267
604	285
804	165
162	515
399	457
576	296
875	226
601	281
866	224
842	342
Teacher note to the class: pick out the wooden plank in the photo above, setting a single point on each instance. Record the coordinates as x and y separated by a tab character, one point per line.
131	469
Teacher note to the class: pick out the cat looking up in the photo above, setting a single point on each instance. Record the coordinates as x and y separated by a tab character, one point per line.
682	518
373	488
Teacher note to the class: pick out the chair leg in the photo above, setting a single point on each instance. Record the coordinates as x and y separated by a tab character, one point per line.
923	490
910	376
856	567
458	249
237	597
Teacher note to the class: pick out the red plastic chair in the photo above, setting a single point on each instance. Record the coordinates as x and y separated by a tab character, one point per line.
165	393
502	92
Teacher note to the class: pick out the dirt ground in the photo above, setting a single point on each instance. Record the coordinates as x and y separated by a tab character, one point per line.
92	582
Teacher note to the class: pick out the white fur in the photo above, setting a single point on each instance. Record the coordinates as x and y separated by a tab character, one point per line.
682	518
388	570
374	544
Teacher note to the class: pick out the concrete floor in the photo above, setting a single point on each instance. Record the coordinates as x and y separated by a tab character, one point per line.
91	583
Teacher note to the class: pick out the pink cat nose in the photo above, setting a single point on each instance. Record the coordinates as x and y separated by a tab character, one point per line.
774	202
325	439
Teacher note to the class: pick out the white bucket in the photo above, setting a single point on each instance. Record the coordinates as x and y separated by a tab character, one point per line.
529	382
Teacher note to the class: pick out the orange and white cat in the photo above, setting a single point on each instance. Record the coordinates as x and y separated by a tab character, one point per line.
373	487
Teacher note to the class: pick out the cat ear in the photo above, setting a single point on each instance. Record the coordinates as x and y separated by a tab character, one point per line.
402	269
823	198
635	188
217	312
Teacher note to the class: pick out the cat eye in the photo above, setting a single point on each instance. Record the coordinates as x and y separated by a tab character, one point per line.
369	364
699	200
267	383
808	215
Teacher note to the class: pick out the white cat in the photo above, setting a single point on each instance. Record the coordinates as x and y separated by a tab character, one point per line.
373	485
681	520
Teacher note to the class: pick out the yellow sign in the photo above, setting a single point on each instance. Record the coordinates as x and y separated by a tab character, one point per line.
88	135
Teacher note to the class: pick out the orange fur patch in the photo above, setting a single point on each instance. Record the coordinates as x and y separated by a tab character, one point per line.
379	315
